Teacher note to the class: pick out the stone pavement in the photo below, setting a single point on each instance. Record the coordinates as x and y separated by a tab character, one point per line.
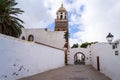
71	72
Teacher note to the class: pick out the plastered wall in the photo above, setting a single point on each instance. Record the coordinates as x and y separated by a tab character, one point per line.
20	58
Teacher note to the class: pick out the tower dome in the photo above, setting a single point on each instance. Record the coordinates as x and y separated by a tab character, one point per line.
62	13
61	9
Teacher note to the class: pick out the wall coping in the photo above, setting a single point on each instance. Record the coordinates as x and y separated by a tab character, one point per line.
48	46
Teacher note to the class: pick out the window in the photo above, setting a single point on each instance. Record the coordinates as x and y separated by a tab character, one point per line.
23	38
61	16
30	38
65	17
116	53
58	30
113	46
57	17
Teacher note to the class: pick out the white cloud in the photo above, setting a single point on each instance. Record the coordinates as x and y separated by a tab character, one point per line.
73	41
99	18
41	13
38	13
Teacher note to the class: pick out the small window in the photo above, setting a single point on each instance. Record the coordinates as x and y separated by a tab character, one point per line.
30	38
113	46
116	53
63	29
58	29
23	38
57	17
61	16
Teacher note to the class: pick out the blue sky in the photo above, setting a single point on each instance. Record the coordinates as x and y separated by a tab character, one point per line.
89	20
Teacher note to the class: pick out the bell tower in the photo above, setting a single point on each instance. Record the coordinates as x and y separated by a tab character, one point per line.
61	21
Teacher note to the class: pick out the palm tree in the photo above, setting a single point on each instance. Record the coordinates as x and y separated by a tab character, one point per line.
9	23
66	37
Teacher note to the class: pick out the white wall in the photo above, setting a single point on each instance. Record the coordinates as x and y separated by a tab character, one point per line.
73	51
109	62
21	58
53	38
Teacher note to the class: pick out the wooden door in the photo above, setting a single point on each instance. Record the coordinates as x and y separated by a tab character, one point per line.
98	63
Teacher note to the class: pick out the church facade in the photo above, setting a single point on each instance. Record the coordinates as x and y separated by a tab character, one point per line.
45	36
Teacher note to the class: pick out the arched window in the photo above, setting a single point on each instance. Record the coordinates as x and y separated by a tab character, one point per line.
65	17
57	16
23	38
63	29
61	16
58	29
30	38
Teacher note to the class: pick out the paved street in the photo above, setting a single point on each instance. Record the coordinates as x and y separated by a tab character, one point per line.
71	72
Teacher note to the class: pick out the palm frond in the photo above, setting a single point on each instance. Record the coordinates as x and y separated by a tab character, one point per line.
10	24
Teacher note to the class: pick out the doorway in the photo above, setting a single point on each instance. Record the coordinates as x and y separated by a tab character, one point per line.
79	59
98	63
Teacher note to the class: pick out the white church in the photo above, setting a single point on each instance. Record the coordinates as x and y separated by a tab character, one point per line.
43	35
40	50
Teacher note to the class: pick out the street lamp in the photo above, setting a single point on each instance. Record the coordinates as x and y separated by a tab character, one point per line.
109	38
